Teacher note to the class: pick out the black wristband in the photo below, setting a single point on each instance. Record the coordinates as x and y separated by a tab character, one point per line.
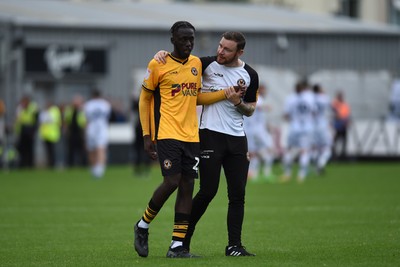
239	103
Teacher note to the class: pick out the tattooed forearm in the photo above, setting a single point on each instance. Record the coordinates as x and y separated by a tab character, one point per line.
247	109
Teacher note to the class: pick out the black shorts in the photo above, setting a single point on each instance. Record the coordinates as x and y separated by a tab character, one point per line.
178	157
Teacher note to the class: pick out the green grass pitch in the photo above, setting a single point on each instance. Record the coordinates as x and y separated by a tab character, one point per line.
349	217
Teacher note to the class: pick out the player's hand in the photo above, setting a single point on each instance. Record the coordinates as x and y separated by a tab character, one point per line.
149	147
160	56
234	94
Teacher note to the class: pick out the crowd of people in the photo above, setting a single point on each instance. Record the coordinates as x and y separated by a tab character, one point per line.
74	134
309	136
316	133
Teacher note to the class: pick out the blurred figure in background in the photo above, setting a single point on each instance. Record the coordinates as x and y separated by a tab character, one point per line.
74	128
117	114
299	111
322	144
2	131
25	130
394	102
97	112
260	143
8	153
141	161
341	122
50	131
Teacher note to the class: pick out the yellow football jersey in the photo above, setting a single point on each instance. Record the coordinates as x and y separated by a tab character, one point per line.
175	86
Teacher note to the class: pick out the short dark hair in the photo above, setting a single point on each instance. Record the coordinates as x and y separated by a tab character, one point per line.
237	37
316	88
181	24
96	92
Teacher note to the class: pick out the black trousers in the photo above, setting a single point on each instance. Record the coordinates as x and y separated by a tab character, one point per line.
25	146
50	153
218	151
340	137
76	153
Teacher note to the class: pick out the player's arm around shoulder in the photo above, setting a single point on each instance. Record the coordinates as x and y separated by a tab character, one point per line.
210	98
231	94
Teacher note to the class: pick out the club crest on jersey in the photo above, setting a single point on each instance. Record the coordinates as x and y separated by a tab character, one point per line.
167	164
194	71
241	82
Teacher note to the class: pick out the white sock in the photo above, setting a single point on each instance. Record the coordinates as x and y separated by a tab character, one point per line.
95	171
175	243
325	156
143	224
304	162
253	166
268	160
287	162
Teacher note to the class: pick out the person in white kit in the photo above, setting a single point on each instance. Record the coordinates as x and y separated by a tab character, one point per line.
394	101
97	111
299	110
322	139
260	143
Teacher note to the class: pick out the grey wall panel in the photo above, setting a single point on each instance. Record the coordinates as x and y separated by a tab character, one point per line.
128	50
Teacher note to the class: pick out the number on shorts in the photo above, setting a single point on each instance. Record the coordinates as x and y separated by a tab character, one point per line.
196	166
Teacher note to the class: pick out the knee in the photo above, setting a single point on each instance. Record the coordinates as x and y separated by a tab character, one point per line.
237	197
236	202
187	182
207	195
171	182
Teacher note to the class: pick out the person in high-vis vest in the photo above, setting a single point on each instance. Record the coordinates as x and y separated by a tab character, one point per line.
2	131
25	131
341	122
50	131
74	129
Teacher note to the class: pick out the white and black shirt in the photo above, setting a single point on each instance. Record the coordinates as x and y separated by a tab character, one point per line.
222	116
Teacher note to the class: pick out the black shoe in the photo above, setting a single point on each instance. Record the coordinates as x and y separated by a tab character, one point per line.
141	241
236	251
180	252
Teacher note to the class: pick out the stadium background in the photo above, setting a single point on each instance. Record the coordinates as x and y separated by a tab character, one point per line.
53	49
347	217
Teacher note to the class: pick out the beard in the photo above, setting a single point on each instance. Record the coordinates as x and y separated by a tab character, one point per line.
225	60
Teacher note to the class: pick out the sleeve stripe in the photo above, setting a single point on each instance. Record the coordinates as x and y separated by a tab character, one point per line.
147	89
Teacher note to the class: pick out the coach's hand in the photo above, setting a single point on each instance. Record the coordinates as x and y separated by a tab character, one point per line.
160	56
149	147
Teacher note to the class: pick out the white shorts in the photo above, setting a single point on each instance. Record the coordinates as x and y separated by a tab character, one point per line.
257	141
96	137
300	139
322	138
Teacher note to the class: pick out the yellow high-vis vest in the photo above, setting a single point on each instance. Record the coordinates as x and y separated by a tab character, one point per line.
50	125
